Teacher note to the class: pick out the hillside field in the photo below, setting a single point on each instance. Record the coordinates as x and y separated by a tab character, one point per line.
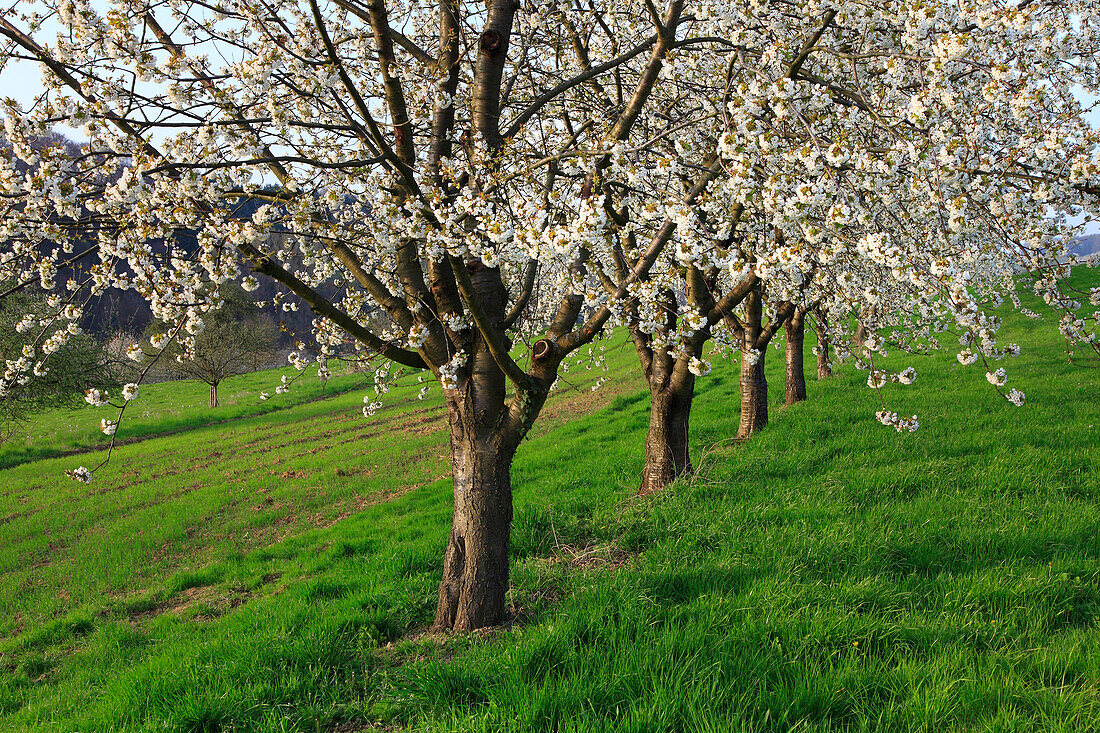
272	566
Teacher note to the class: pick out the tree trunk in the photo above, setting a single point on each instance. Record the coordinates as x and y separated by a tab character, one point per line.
796	375
754	394
475	565
861	329
754	387
213	395
484	438
666	446
823	370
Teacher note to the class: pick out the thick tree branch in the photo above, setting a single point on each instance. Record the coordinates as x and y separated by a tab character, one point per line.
548	96
808	47
321	306
729	301
491	332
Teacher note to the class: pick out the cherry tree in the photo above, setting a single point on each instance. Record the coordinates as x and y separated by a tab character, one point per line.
434	161
235	339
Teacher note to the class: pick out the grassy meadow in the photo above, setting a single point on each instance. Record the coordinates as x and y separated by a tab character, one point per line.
170	407
273	568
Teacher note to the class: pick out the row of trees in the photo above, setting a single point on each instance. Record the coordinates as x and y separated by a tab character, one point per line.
494	172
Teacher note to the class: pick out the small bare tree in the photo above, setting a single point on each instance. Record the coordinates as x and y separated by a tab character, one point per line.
237	339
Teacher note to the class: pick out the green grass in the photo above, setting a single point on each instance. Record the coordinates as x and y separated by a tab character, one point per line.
169	407
830	574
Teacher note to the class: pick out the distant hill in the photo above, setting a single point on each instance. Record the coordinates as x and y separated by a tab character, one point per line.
114	310
1087	245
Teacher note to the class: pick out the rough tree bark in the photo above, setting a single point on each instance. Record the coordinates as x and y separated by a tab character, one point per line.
671	390
667	455
213	395
796	375
823	369
754	385
475	565
754	396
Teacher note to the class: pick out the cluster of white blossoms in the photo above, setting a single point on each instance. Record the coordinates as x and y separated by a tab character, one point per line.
699	367
448	373
455	322
370	406
997	378
902	165
901	424
81	474
95	398
417	336
878	378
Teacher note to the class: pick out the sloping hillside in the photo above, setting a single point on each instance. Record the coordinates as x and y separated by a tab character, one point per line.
829	574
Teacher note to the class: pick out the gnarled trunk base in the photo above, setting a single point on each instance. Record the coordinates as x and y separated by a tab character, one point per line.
667	454
475	565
